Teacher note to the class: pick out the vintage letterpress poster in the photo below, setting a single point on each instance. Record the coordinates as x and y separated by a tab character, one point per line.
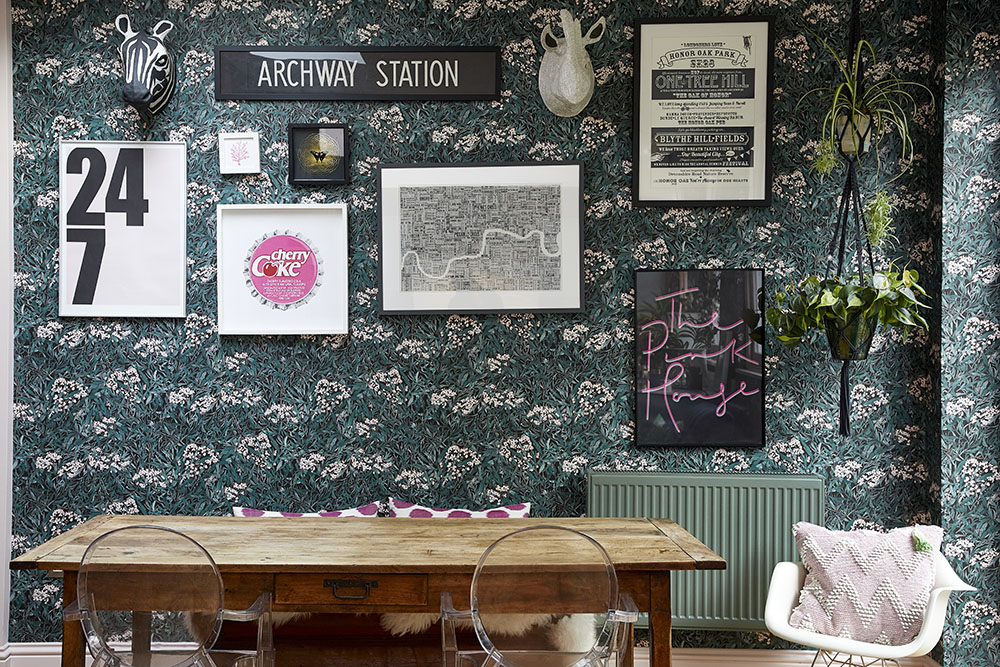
702	104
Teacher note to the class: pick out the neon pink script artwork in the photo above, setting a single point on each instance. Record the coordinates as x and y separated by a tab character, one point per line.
699	369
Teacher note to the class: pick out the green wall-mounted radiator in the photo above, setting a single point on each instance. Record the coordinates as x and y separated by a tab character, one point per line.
745	518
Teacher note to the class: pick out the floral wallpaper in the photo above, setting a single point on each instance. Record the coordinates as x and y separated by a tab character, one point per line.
970	336
166	416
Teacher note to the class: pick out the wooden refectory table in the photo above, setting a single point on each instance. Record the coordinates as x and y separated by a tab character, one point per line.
413	561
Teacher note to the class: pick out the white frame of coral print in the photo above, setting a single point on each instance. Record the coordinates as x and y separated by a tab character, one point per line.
130	261
227	164
567	297
294	290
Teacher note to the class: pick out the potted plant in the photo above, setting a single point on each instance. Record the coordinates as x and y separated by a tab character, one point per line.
849	313
860	112
872	108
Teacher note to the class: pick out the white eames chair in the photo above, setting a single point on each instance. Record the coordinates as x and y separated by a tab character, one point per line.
783	594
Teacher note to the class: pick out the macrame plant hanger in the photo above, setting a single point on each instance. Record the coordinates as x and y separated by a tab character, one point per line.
850	218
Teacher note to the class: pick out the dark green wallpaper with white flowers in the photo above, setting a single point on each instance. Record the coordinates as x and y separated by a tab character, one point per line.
164	416
970	340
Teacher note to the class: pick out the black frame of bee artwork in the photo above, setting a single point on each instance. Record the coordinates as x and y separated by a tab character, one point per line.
302	172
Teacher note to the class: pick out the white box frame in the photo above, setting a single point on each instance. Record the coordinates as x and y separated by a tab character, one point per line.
163	207
226	164
242	310
566	175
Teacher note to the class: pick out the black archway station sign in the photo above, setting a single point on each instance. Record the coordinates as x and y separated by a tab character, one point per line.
357	73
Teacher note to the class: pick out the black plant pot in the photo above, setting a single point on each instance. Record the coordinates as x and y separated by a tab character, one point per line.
851	340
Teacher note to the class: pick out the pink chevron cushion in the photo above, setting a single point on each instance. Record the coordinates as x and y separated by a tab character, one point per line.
371	509
864	584
403	508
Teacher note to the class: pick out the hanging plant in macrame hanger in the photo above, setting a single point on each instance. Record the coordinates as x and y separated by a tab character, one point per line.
851	339
850	308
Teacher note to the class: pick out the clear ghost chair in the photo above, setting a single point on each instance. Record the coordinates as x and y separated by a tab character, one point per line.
149	596
547	577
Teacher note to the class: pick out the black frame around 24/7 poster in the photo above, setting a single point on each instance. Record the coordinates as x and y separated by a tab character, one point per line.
699	370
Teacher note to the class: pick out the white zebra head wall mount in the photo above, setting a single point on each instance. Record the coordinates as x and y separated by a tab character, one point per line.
149	76
566	77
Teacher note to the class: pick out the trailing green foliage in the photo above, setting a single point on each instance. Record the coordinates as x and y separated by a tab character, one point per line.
827	158
892	296
878	213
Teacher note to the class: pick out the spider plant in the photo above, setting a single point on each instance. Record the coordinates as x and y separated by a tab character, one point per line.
826	159
888	104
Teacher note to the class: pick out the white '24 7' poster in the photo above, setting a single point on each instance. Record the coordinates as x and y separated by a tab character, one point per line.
122	228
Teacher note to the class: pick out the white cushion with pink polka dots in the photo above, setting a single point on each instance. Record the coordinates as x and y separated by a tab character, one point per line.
403	508
371	509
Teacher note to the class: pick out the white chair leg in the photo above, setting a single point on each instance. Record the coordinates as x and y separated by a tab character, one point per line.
847	660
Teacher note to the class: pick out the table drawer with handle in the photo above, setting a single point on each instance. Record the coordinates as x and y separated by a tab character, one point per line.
350	589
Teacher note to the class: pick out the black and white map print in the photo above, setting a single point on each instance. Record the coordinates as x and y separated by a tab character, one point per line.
480	238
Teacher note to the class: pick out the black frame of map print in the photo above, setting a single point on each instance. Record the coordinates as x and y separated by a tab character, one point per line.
702	111
699	372
481	238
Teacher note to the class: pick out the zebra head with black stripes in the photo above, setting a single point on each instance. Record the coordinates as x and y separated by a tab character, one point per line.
149	74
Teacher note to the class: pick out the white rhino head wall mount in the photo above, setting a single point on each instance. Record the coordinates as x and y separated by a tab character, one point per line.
566	77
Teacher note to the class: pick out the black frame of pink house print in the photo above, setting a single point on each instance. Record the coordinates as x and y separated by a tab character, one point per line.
699	375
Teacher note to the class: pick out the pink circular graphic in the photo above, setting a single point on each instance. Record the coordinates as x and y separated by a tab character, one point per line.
282	269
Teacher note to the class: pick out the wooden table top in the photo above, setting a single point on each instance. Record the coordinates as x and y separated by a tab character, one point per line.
382	545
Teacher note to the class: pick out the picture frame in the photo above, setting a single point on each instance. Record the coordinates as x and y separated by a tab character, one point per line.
239	153
481	238
282	269
318	153
122	240
699	358
358	73
702	111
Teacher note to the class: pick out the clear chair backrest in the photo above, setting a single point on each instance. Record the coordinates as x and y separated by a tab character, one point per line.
542	570
149	575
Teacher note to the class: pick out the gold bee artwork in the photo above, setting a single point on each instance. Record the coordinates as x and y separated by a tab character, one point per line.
319	154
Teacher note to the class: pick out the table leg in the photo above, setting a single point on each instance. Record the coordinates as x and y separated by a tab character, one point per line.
73	647
142	630
628	655
659	620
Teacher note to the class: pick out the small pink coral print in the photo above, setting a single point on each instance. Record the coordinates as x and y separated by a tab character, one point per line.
239	152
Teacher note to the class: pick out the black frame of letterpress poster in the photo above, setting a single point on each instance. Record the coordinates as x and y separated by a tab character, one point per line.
763	122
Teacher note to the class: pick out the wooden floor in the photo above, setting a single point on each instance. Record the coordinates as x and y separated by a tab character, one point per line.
316	653
349	640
